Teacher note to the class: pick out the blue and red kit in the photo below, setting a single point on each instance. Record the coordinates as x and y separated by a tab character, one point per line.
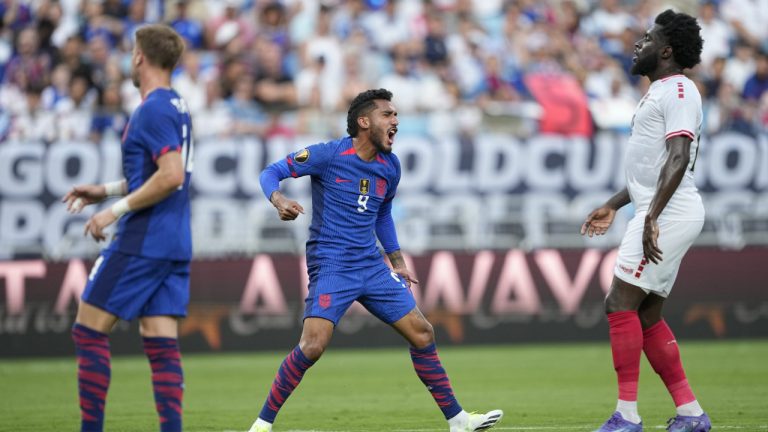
351	208
145	270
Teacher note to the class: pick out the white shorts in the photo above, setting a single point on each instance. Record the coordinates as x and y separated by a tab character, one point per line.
675	238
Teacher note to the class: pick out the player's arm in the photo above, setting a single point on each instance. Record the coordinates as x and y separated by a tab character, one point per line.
385	231
308	161
601	218
82	195
679	155
166	180
270	179
387	235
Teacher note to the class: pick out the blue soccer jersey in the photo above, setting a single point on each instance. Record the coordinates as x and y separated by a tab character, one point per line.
159	125
352	202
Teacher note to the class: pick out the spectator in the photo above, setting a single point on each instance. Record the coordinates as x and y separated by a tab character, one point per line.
275	89
716	31
246	116
74	112
109	120
757	85
191	30
29	64
34	123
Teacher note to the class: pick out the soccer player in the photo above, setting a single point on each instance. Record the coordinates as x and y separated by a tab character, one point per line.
660	160
144	272
354	180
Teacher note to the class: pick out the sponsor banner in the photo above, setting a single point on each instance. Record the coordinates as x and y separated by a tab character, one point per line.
471	298
494	191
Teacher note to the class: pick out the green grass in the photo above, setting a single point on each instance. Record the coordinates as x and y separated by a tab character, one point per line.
539	387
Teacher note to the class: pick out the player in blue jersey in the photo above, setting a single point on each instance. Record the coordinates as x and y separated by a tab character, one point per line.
144	272
354	180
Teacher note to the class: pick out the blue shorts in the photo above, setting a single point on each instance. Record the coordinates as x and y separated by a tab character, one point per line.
378	289
130	286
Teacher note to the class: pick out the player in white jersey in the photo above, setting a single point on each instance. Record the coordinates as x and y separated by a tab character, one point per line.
660	162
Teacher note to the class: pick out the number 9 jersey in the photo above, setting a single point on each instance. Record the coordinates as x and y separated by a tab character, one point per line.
351	198
161	124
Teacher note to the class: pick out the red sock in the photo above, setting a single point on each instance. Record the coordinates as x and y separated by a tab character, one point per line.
661	349
626	344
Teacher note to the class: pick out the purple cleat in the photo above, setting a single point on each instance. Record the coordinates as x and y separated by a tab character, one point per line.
689	424
617	424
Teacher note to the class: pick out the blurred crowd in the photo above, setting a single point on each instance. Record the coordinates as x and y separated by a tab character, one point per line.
269	68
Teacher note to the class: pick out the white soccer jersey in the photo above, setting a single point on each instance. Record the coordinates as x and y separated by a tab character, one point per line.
672	107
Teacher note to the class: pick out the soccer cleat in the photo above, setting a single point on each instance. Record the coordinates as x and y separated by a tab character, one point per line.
479	422
689	424
617	424
260	426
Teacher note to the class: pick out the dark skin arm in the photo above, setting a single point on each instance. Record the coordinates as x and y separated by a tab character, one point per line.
679	149
399	267
601	218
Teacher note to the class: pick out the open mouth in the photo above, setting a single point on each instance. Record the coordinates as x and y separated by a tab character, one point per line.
391	135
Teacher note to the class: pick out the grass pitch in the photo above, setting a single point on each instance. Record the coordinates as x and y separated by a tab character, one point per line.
539	387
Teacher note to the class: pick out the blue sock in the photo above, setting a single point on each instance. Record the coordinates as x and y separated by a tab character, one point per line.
431	372
167	380
93	375
288	377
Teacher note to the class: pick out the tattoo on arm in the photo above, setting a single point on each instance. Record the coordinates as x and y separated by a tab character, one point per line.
396	259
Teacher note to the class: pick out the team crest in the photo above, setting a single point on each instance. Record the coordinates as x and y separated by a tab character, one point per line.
301	156
325	301
365	186
381	187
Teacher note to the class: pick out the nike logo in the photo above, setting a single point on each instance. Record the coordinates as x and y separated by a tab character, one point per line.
341	180
672	342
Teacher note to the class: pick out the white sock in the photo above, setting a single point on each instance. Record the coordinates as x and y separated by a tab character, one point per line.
628	410
691	409
459	419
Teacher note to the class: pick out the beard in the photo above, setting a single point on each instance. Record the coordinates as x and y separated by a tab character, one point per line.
135	77
645	65
376	139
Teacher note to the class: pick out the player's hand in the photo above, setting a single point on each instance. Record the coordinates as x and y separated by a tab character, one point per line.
598	221
651	249
83	195
96	224
287	209
407	275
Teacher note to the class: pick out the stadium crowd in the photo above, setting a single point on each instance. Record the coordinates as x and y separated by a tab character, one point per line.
270	68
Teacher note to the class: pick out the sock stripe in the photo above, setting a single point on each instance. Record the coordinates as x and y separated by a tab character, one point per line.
167	380
93	375
286	380
430	371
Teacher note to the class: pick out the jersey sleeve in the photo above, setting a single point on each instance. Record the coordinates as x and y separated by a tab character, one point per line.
385	225
681	108
395	180
308	161
159	129
312	160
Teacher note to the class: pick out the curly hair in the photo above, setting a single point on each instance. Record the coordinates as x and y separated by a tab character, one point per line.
682	33
363	104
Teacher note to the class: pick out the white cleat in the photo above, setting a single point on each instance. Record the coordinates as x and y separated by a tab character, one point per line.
470	422
261	426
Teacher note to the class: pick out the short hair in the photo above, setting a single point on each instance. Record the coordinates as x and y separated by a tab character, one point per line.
160	44
682	33
363	104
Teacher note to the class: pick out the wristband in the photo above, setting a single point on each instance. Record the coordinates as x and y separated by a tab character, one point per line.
114	188
121	207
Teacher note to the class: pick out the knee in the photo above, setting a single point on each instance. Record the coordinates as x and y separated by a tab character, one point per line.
612	305
648	318
313	348
424	335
